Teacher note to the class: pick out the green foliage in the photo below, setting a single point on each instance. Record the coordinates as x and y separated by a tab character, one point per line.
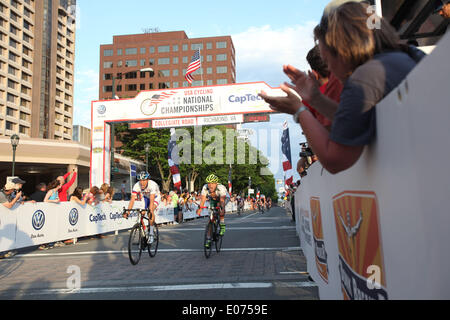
201	153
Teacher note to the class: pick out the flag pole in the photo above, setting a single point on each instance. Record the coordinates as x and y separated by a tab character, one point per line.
201	66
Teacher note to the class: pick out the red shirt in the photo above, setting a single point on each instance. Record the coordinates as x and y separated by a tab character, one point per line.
332	89
62	192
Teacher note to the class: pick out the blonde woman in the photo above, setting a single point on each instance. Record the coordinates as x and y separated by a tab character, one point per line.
369	62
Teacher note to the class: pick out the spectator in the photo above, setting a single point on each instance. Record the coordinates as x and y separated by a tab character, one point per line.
111	192
105	196
443	8
369	62
123	190
330	86
39	194
52	195
65	186
77	196
6	195
93	196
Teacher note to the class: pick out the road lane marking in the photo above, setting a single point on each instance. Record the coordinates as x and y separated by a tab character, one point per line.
181	287
62	254
275	228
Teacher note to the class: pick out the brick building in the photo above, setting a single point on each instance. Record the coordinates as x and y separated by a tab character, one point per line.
168	54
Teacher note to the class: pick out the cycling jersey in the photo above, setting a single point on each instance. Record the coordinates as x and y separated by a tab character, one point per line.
220	192
152	188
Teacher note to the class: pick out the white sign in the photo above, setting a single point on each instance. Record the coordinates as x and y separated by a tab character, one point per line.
380	230
173	108
216	120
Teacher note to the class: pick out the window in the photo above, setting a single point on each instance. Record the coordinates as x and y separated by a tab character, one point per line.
142	62
175	85
209	71
162	49
164	73
164	61
209	45
107	76
175	72
151	61
221	45
221	69
142	51
107	64
185	59
130	51
10	112
11	98
131	63
9	126
175	48
208	58
175	60
196	46
221	57
185	47
221	81
142	86
119	52
130	87
209	82
163	85
108	53
152	49
131	75
107	88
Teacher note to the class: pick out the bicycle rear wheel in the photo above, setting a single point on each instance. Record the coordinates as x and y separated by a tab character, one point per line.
135	245
208	237
153	247
217	237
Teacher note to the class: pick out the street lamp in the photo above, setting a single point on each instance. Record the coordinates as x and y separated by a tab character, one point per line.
112	123
14	142
147	148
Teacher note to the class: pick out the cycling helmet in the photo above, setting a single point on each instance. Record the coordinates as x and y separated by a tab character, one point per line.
143	175
212	178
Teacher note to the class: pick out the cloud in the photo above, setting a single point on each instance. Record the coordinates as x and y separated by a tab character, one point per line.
262	51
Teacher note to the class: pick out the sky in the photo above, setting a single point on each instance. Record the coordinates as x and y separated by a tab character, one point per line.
266	35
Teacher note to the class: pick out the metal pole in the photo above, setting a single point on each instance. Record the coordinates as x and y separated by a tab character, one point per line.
112	152
14	160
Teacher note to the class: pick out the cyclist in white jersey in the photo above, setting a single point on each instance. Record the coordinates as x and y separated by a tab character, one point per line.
149	190
218	195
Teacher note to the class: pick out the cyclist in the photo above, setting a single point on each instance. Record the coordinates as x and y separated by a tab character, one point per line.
218	195
149	189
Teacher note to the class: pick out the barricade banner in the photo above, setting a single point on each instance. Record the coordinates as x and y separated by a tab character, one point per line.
8	222
380	230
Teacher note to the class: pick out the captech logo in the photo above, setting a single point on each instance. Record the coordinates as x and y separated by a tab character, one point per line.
38	220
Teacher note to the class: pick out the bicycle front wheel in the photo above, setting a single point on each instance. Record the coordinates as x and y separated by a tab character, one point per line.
135	244
217	237
208	239
153	247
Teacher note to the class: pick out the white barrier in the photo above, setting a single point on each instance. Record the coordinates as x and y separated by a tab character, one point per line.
38	223
381	229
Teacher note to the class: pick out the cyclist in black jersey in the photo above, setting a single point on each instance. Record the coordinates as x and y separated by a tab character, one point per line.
217	194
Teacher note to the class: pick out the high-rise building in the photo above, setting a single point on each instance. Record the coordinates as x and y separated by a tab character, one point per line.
168	54
37	55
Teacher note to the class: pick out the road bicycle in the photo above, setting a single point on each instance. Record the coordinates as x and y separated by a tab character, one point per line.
139	237
212	232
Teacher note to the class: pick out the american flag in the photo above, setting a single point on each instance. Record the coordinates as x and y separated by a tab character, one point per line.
286	150
173	159
157	98
193	66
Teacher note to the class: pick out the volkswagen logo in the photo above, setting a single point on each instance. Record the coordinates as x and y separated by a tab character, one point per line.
38	220
101	109
73	216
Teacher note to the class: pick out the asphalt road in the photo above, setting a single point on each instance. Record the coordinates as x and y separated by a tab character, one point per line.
261	260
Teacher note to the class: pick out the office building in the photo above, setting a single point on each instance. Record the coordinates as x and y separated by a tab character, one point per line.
168	54
37	54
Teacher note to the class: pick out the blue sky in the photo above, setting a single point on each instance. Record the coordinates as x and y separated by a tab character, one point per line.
266	35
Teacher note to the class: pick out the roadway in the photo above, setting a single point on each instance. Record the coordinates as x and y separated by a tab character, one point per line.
261	260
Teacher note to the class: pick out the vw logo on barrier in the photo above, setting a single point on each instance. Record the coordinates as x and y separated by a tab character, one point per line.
73	216
38	220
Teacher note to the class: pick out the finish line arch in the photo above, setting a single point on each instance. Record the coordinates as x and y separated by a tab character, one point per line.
171	108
